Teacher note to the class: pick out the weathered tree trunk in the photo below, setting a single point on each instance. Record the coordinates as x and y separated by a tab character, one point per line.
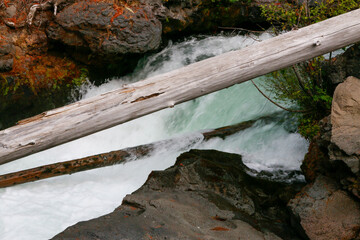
135	100
102	160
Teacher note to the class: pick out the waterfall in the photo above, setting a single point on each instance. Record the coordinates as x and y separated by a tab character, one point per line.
42	209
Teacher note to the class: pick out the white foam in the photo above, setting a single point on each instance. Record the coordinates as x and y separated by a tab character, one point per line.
42	209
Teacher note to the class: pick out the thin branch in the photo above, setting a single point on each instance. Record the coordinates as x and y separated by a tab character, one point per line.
241	29
253	38
278	105
330	58
300	81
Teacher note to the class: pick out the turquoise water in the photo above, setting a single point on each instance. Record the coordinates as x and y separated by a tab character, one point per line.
42	209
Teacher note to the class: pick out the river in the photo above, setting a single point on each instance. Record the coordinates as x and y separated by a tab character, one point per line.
42	209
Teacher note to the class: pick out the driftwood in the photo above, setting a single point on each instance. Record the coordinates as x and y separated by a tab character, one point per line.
102	160
41	6
91	115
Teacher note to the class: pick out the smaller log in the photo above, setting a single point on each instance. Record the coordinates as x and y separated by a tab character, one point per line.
62	168
134	100
103	160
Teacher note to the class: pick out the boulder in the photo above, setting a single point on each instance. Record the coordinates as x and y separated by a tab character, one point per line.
206	195
200	16
345	119
87	38
107	29
325	212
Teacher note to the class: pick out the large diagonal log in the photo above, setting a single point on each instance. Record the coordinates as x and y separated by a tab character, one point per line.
105	159
144	97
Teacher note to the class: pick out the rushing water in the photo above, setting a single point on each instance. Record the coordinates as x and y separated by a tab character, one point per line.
42	209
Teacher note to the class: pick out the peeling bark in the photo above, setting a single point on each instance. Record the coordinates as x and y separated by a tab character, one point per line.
103	160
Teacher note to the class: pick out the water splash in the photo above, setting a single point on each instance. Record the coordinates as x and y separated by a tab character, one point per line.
42	209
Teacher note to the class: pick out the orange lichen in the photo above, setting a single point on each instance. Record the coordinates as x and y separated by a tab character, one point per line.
220	229
119	11
41	72
6	3
217	218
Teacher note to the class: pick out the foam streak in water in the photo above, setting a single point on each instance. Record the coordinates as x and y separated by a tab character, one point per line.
42	209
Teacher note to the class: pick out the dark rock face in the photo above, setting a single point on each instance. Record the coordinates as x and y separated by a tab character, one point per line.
107	29
205	195
6	58
7	50
326	212
317	162
347	64
207	15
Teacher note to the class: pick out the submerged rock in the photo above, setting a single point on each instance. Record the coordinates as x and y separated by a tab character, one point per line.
206	195
325	212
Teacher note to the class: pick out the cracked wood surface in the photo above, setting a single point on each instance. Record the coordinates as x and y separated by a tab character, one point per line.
91	115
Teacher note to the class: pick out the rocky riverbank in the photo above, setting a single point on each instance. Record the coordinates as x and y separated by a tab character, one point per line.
213	195
206	195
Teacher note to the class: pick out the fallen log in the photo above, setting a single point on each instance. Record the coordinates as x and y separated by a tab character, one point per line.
103	160
91	115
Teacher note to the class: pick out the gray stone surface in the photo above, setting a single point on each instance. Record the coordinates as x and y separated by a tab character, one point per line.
107	29
326	212
345	65
345	120
205	195
6	64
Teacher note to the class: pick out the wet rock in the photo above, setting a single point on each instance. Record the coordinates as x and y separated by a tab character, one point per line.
6	48
326	212
345	115
206	195
315	162
107	29
204	16
345	65
6	55
6	64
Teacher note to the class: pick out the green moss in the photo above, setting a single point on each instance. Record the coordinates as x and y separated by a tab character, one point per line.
307	89
287	15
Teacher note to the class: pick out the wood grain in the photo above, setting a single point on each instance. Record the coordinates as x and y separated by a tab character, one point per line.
105	159
91	115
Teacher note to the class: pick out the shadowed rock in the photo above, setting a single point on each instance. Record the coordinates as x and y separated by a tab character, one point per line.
206	195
